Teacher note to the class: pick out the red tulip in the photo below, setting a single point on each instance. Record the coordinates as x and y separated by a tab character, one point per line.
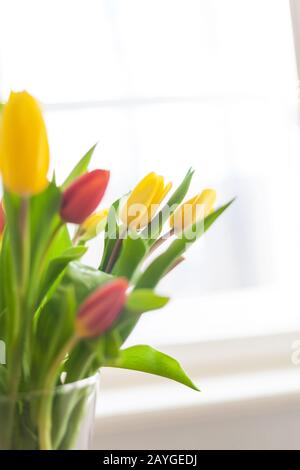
2	218
100	310
82	197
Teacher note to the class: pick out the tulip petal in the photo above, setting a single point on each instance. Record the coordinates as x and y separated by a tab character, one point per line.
82	197
167	189
101	309
195	208
93	225
135	210
24	150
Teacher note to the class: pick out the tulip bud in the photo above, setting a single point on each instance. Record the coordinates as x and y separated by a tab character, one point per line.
93	225
100	310
82	197
144	200
196	208
2	219
24	151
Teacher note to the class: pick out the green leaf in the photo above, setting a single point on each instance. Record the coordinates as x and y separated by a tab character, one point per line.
44	208
79	363
86	356
162	263
146	359
182	189
3	379
57	266
67	414
132	253
112	344
59	245
57	315
80	168
10	273
144	300
54	326
53	180
111	234
12	204
9	320
154	228
160	266
84	279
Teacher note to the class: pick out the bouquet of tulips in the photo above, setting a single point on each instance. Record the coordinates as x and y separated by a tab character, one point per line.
60	320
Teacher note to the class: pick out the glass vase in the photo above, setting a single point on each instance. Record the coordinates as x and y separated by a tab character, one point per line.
58	420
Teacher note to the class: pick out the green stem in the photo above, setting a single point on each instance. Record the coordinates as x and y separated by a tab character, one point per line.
48	246
77	237
25	240
15	369
161	240
115	252
23	282
60	433
174	265
44	418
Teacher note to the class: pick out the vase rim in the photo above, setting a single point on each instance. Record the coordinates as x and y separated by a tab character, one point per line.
63	388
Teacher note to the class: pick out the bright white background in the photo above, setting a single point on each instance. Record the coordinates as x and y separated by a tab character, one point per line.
164	85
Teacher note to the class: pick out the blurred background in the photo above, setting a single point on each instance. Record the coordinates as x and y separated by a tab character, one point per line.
164	85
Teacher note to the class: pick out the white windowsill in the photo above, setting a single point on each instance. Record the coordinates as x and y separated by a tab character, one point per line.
140	414
244	370
149	403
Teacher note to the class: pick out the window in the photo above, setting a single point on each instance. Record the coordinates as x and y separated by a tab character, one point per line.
166	85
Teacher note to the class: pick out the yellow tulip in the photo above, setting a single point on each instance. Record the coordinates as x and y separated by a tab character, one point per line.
196	208
144	200
94	224
24	151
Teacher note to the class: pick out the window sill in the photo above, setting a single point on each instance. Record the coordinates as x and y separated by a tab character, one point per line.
237	347
241	380
248	411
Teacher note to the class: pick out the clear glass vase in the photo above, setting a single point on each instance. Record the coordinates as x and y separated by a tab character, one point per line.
59	420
